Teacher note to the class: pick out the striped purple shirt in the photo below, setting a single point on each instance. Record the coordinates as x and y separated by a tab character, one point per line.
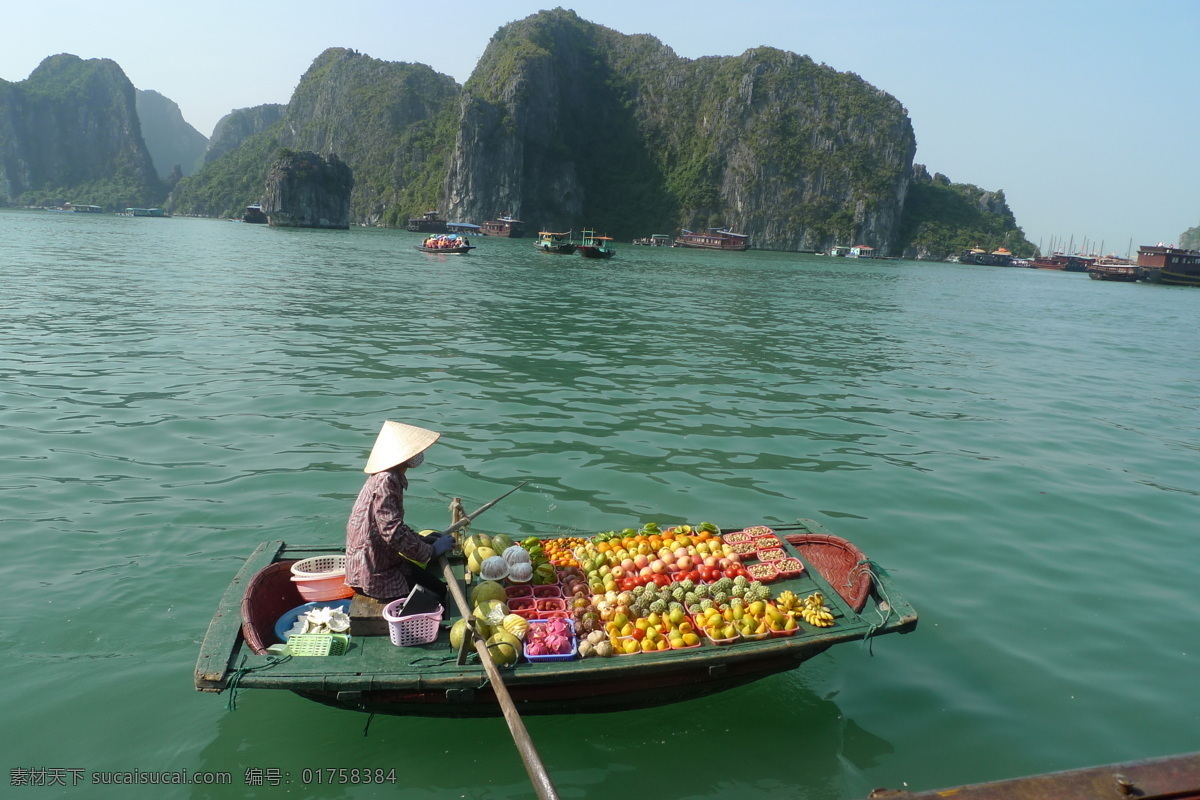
377	540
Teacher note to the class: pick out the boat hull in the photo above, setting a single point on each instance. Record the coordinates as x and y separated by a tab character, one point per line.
588	251
555	249
462	251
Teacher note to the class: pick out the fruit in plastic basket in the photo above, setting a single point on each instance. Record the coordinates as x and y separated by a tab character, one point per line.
504	648
494	568
515	554
487	590
515	624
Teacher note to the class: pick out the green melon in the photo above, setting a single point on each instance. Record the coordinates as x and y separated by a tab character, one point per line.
501	542
487	590
504	648
458	633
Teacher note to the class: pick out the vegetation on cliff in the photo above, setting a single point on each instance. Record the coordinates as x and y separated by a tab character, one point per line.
942	218
70	133
392	123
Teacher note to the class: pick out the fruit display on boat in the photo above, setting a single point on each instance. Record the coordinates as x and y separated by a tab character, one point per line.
648	590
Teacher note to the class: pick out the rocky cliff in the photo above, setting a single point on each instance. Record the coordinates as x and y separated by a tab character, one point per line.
304	190
566	123
70	133
239	125
169	138
390	122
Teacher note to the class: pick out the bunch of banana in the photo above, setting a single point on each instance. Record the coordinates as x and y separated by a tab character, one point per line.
787	601
815	612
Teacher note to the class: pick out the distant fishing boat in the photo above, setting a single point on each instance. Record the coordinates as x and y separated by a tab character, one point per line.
594	246
554	243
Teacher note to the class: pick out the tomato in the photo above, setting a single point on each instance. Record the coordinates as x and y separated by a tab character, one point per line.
679	577
662	580
626	584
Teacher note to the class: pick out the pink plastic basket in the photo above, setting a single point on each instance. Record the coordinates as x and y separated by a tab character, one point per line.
406	631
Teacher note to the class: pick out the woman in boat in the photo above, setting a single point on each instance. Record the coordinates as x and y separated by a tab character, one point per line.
383	554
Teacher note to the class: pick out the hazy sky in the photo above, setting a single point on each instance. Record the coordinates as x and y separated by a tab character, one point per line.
1079	111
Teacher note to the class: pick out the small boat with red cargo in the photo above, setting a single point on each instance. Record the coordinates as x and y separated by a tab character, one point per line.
795	591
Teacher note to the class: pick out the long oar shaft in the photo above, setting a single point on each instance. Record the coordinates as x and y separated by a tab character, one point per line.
467	519
529	754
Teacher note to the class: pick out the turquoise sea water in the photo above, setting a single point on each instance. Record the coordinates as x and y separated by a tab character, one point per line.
1018	448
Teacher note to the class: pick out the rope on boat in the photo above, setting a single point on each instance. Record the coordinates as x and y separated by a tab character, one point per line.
236	677
872	569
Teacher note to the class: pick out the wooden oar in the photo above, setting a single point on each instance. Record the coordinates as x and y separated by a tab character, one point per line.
529	754
467	519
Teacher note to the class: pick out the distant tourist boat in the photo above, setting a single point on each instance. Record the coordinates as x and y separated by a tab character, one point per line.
1000	257
861	251
839	250
429	222
254	214
1170	265
446	244
594	246
714	239
1064	262
654	240
144	212
554	243
1126	273
504	226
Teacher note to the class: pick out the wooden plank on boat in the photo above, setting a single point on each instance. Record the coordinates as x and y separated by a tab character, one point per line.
220	641
366	616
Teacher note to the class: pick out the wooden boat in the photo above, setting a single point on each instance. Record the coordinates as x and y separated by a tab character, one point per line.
504	226
713	239
1170	265
554	243
461	249
593	246
1174	777
1124	273
424	680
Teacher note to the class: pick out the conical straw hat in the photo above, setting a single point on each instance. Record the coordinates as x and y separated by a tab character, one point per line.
396	444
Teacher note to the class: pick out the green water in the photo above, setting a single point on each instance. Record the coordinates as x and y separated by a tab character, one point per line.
1018	448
